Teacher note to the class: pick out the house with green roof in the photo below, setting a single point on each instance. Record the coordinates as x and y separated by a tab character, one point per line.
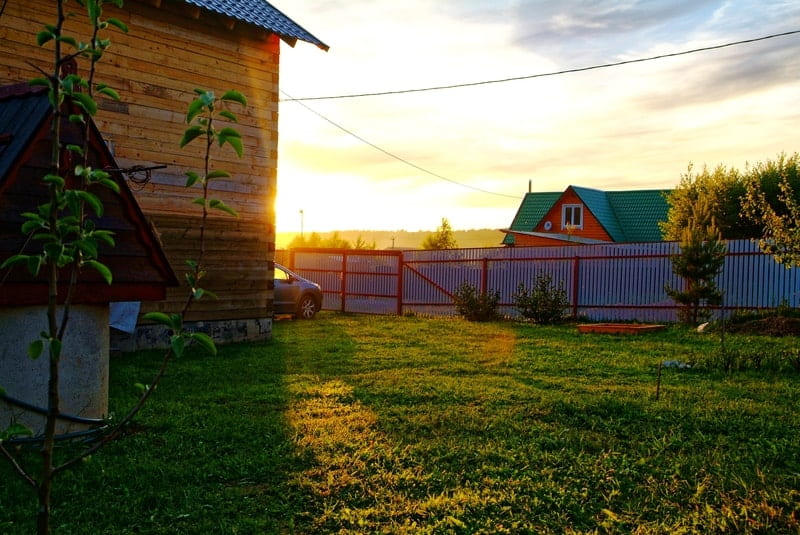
581	216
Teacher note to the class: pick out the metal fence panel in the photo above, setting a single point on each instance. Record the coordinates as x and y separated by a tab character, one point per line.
603	282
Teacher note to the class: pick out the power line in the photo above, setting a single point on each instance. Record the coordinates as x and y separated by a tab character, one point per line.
390	154
543	75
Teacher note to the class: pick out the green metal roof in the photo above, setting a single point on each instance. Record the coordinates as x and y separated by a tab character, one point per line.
627	216
639	212
533	208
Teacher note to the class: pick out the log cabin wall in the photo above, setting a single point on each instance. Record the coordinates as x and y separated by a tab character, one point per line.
171	49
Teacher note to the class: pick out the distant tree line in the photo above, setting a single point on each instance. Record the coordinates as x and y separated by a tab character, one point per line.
334	241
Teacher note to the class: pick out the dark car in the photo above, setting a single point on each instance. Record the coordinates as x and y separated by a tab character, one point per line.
295	295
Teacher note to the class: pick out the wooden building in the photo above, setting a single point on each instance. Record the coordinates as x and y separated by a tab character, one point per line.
582	216
173	47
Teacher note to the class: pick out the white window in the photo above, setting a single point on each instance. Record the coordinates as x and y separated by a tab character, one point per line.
572	216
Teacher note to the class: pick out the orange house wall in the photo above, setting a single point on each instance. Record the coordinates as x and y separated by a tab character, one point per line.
524	240
592	228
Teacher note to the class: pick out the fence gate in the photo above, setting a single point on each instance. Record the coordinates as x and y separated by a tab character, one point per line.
362	281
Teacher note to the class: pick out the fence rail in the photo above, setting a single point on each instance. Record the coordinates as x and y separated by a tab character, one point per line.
603	282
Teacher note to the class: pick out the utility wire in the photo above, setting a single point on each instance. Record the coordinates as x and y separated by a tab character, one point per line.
554	73
390	154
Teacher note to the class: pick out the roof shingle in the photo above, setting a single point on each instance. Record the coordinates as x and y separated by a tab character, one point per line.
262	14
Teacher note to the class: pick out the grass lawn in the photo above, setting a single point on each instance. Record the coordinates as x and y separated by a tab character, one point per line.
368	424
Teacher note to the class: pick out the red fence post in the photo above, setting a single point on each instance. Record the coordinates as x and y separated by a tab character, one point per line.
575	285
400	276
484	275
342	306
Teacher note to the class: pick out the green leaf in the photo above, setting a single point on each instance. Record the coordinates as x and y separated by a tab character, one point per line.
191	133
195	109
173	321
229	132
229	115
35	349
77	149
191	178
100	268
197	293
209	293
234	142
109	92
33	225
13	260
93	10
218	174
141	387
118	23
105	236
39	82
53	180
76	118
110	184
34	264
159	317
53	250
86	102
15	430
178	344
69	40
92	200
44	36
88	248
219	205
205	341
234	96
201	201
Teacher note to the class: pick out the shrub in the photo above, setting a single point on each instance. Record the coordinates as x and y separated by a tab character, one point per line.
474	305
544	303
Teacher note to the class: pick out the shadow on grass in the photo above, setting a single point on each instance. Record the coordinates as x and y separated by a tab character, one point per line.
211	452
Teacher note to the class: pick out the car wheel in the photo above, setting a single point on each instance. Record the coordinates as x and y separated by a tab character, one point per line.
307	307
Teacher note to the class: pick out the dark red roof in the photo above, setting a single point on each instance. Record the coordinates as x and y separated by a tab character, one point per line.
138	263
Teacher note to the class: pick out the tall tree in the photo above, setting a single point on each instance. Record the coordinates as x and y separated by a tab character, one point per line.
721	190
779	219
699	262
443	238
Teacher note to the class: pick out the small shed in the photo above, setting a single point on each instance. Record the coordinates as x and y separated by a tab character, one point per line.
139	266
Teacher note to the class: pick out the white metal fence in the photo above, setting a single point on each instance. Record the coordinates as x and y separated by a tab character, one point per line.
603	282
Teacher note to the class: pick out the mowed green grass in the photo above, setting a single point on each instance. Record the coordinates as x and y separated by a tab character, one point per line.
368	424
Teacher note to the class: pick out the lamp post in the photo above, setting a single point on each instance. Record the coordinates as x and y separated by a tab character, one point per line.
301	223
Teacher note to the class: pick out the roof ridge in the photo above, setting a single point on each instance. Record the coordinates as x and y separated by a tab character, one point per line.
19	90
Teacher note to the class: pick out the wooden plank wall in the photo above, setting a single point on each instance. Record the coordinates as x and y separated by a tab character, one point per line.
169	51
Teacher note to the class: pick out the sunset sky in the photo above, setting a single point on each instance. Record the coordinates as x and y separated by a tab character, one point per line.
470	152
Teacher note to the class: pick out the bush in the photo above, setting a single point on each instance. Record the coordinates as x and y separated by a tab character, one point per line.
544	303
475	306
